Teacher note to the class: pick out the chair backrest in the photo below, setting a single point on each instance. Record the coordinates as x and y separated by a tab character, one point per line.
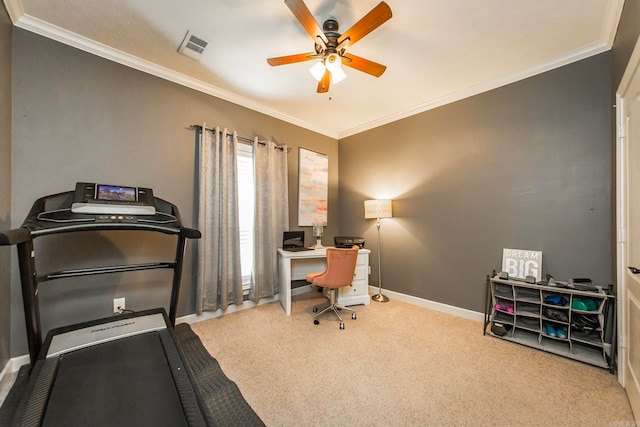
341	265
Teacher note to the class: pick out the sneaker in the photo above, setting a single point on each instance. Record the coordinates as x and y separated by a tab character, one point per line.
550	331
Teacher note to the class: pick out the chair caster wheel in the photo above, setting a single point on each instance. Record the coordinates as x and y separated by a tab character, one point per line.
353	316
341	325
316	322
315	309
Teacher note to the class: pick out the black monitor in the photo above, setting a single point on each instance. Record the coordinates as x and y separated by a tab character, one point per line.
293	241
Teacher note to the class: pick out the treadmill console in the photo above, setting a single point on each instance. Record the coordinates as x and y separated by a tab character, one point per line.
104	199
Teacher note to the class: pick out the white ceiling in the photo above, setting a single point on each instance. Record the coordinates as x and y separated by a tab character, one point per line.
436	51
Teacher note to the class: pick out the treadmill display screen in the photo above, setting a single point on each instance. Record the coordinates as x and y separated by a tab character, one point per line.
103	199
114	193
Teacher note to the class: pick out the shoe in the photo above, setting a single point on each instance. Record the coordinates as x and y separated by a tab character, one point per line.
508	309
555	300
550	331
584	304
562	334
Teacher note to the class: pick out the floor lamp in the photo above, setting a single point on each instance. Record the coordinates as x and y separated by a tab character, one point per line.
378	209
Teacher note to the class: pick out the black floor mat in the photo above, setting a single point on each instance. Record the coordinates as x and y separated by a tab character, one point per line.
218	396
14	398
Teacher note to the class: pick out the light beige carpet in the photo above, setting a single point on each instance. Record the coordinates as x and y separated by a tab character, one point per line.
400	364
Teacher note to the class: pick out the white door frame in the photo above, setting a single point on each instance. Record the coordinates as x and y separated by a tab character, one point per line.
621	231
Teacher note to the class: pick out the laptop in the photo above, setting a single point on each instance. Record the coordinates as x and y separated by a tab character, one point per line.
293	241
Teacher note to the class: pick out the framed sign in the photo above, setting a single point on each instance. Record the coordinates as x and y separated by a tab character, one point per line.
521	263
313	187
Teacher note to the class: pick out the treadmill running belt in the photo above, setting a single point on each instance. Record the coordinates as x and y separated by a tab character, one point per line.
106	383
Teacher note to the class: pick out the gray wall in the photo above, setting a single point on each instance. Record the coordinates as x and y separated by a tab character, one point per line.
78	117
525	166
625	41
522	166
5	180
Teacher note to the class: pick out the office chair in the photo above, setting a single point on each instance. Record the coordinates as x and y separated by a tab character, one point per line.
341	266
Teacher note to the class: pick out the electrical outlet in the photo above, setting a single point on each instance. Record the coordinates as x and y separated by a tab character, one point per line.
118	305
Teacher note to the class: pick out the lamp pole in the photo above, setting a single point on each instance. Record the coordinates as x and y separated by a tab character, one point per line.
379	297
378	209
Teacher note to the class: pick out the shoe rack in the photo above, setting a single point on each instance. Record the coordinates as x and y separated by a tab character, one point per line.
572	323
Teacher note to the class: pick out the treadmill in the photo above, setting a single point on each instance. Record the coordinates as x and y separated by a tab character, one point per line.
134	369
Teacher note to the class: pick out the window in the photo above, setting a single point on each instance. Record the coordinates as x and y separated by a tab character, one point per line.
246	191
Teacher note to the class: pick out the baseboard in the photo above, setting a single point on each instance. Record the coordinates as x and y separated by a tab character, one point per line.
5	370
14	364
195	318
445	308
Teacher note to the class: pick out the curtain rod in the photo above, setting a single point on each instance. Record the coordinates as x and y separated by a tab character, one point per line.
242	139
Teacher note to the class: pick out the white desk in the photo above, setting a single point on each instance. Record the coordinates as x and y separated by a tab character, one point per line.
296	266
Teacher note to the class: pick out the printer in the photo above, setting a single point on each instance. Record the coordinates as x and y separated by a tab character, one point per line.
348	241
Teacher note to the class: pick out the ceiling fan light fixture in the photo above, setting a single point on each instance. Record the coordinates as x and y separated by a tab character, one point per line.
338	75
317	71
333	62
331	45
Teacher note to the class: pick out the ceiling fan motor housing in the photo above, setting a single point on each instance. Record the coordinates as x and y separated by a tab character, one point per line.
330	30
330	26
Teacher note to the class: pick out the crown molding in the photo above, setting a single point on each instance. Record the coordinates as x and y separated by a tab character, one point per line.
45	29
611	21
630	70
14	9
53	32
576	55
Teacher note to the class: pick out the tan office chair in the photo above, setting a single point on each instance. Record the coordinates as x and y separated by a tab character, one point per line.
341	266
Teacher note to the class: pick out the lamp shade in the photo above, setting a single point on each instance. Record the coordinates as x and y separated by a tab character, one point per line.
377	209
317	70
333	62
337	75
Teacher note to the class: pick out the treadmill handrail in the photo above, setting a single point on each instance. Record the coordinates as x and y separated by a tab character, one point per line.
15	236
34	226
90	271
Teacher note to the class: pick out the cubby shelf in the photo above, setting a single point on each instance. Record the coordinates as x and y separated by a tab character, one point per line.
520	312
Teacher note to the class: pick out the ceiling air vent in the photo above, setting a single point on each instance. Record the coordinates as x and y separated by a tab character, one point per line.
193	46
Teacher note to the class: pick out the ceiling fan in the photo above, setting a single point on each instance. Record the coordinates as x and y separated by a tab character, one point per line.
330	46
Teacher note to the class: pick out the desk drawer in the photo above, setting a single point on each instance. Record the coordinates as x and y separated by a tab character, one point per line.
356	288
360	273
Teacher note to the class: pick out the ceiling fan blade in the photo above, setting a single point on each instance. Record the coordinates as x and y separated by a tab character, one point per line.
363	65
290	59
323	85
372	20
306	19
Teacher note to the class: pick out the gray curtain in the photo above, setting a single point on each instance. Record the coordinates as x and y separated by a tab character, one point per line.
219	278
271	216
